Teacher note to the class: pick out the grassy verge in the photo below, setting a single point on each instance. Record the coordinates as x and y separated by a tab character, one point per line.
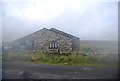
19	56
0	56
77	60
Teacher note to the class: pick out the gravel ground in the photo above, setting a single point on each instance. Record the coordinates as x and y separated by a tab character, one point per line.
20	70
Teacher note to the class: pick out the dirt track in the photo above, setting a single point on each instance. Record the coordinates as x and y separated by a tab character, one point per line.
19	70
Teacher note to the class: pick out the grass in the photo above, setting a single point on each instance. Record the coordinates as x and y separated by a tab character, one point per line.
73	59
0	56
19	56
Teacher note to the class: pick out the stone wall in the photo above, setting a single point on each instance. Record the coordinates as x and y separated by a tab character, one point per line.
75	43
40	41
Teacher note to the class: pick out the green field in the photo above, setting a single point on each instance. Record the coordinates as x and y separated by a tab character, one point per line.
73	59
0	56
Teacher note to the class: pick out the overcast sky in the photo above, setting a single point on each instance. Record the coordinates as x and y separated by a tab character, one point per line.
88	20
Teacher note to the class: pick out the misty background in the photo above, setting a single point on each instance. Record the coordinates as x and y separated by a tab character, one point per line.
95	20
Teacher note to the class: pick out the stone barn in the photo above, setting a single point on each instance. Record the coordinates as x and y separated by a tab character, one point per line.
45	39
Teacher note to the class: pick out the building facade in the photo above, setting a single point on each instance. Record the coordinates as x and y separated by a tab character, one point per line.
45	39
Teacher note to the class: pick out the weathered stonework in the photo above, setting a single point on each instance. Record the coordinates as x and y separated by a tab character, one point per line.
40	40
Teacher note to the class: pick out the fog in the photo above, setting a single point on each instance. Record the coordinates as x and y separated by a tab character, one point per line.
95	20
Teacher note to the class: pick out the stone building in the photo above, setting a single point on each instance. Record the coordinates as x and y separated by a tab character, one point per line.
46	39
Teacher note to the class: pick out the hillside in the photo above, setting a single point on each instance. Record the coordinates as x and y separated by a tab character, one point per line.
110	47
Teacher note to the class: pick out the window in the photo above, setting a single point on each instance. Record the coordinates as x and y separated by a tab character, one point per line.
50	45
53	44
